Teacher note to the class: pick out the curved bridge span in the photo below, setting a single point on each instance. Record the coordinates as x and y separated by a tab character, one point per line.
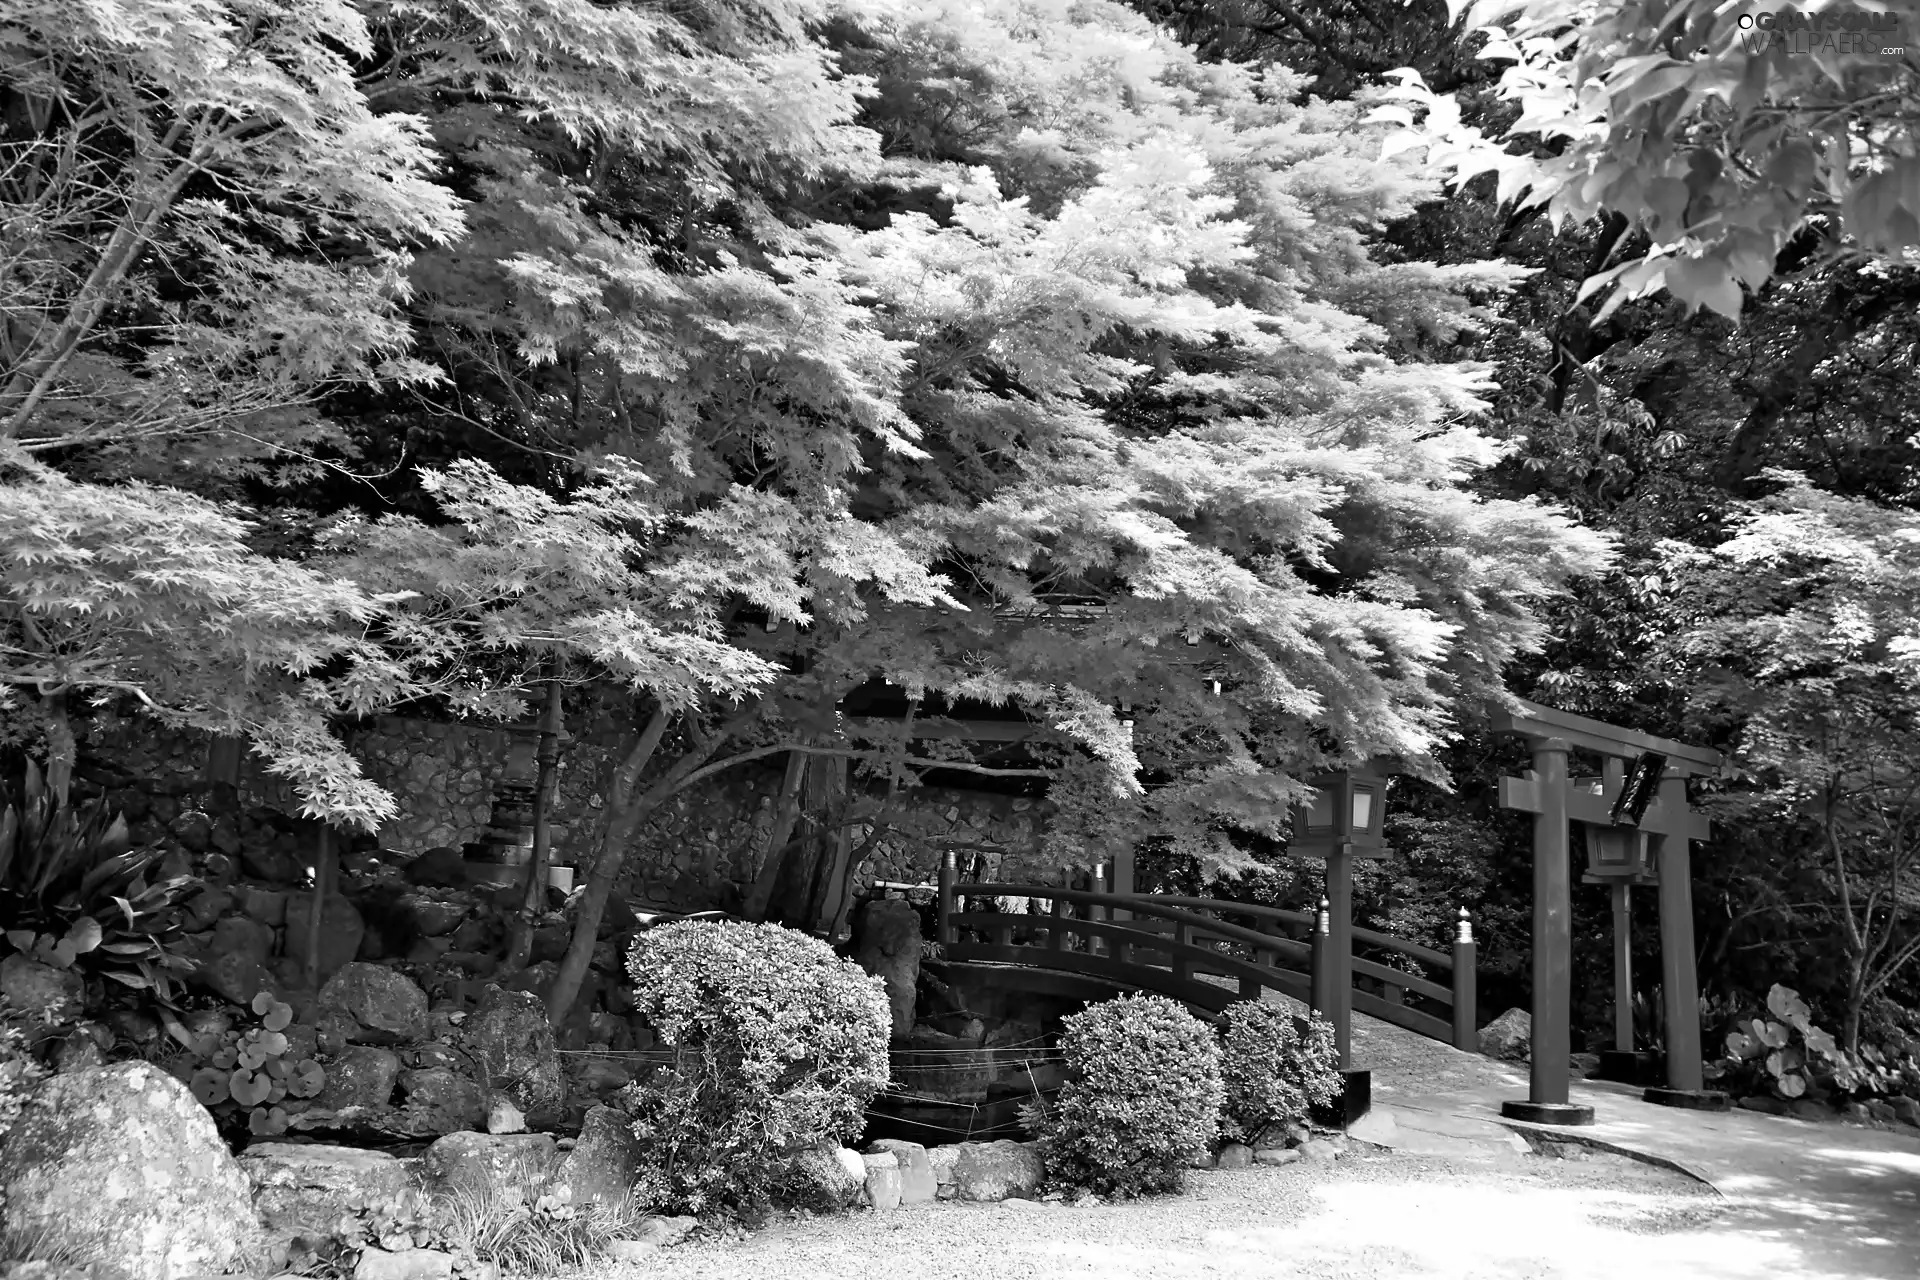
1209	953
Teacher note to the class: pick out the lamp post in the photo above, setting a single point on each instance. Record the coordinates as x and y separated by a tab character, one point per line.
1342	821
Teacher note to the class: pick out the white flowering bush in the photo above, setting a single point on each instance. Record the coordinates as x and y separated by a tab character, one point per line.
1273	1074
778	1045
1141	1097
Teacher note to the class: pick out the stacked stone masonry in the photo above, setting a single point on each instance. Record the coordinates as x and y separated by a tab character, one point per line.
703	849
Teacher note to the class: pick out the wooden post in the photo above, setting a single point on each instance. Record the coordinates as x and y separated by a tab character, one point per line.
1098	912
223	759
1123	876
1552	928
1057	933
949	876
1623	966
1339	901
1321	986
1679	982
1182	936
1466	1014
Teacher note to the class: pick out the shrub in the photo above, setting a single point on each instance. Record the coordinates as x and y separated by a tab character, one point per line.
1141	1097
778	1045
1271	1072
1789	1056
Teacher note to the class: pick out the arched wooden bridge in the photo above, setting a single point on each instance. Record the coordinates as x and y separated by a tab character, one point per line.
1209	953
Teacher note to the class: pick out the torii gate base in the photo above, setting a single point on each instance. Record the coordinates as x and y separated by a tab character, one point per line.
1549	794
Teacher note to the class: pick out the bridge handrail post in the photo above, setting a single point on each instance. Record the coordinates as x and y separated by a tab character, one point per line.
1102	914
1465	997
1323	1001
949	876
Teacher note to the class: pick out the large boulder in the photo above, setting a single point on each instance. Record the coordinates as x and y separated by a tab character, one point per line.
235	977
341	931
386	1007
28	985
361	1076
1508	1037
886	943
989	1171
302	1190
917	1183
601	1166
510	1038
826	1179
120	1165
883	1179
445	1100
509	1168
442	867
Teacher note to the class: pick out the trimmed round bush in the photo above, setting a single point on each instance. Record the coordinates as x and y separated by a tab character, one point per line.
1274	1073
778	1045
1141	1098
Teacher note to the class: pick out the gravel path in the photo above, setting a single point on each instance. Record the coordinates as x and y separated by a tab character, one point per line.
1367	1217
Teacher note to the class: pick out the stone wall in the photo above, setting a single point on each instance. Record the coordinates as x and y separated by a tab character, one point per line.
702	850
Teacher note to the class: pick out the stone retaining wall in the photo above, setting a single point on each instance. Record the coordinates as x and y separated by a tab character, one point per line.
702	850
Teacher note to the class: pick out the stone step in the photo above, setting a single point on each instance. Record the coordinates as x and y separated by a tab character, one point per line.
1434	1133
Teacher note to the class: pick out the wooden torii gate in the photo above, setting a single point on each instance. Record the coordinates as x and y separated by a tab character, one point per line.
1555	800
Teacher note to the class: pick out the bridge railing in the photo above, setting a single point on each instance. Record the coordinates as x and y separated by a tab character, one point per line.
1184	947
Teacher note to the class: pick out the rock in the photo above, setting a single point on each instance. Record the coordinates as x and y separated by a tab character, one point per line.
508	1166
239	935
236	977
193	829
504	1117
341	930
441	867
600	1167
274	863
882	1180
1318	1150
600	1077
268	906
459	1101
549	944
826	1179
1275	1155
631	1250
386	1007
942	1160
1235	1155
1508	1037
303	1189
361	1076
1203	1159
1764	1104
435	919
204	909
886	943
995	1170
1906	1110
665	1232
28	985
120	1164
510	1037
408	1264
1377	1126
1809	1110
917	1182
136	1025
333	1030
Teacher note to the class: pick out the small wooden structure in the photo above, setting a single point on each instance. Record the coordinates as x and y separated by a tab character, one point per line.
1637	835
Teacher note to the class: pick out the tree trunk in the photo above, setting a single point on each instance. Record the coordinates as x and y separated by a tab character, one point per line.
534	898
623	815
61	748
779	839
317	908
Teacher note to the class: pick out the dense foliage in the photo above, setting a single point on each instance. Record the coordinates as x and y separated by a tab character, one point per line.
1272	1073
1141	1099
778	1045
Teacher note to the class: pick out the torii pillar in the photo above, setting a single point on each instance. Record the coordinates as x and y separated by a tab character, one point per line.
1550	795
